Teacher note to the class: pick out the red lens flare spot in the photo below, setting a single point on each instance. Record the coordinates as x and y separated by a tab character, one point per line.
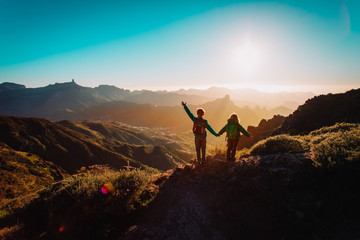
61	229
104	190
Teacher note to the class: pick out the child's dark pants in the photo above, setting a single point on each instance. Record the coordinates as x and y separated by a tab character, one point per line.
231	150
200	145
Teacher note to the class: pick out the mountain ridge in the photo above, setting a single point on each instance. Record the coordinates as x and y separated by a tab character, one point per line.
321	111
98	143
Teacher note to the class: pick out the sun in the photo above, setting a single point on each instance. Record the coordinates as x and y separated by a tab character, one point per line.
247	59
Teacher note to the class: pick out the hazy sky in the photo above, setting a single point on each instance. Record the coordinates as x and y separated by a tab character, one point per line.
269	45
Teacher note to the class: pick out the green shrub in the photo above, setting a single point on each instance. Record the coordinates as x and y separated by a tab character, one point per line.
125	189
278	144
242	152
90	204
219	149
336	147
338	127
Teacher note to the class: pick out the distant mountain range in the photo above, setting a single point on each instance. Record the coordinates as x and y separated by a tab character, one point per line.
55	101
217	113
69	101
105	93
251	97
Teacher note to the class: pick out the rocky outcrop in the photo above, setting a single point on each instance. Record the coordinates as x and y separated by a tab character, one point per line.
262	131
321	111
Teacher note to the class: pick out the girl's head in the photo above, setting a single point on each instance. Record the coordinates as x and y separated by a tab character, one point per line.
234	117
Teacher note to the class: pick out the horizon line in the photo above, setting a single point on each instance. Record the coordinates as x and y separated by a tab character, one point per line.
315	89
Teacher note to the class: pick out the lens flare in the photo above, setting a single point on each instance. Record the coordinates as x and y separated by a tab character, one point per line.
104	190
61	229
107	188
148	149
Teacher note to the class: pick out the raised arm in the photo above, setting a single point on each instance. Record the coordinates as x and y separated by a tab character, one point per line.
191	116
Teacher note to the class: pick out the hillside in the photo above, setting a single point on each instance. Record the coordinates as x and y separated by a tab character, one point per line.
324	110
72	145
24	173
7	86
286	188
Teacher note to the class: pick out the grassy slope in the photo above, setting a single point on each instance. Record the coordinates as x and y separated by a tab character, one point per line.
281	192
21	174
74	145
270	195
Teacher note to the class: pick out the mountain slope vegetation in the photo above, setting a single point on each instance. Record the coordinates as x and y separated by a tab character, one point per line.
25	172
74	145
279	191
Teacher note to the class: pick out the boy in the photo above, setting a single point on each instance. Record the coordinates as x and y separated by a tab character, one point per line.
233	129
199	131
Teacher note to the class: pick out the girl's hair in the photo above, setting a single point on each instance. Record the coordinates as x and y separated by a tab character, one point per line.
200	111
234	116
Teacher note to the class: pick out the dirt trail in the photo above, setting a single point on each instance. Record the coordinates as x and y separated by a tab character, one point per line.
181	210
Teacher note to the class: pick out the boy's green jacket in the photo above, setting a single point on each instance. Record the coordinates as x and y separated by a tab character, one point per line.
193	118
239	129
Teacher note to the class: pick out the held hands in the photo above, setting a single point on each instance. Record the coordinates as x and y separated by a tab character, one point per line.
183	104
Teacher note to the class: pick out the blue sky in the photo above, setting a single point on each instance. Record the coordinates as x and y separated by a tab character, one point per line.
268	45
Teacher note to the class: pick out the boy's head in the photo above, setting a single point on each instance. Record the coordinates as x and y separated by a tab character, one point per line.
200	112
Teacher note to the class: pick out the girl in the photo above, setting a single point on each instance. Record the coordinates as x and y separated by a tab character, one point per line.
233	129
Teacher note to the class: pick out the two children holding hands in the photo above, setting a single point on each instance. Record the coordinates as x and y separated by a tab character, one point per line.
232	129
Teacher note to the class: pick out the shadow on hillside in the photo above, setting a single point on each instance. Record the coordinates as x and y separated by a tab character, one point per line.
280	196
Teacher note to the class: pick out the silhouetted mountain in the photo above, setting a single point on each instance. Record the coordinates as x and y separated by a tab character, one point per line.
74	145
55	102
64	100
220	110
323	110
6	86
262	131
68	101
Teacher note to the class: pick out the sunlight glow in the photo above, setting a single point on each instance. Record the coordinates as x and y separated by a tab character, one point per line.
247	59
